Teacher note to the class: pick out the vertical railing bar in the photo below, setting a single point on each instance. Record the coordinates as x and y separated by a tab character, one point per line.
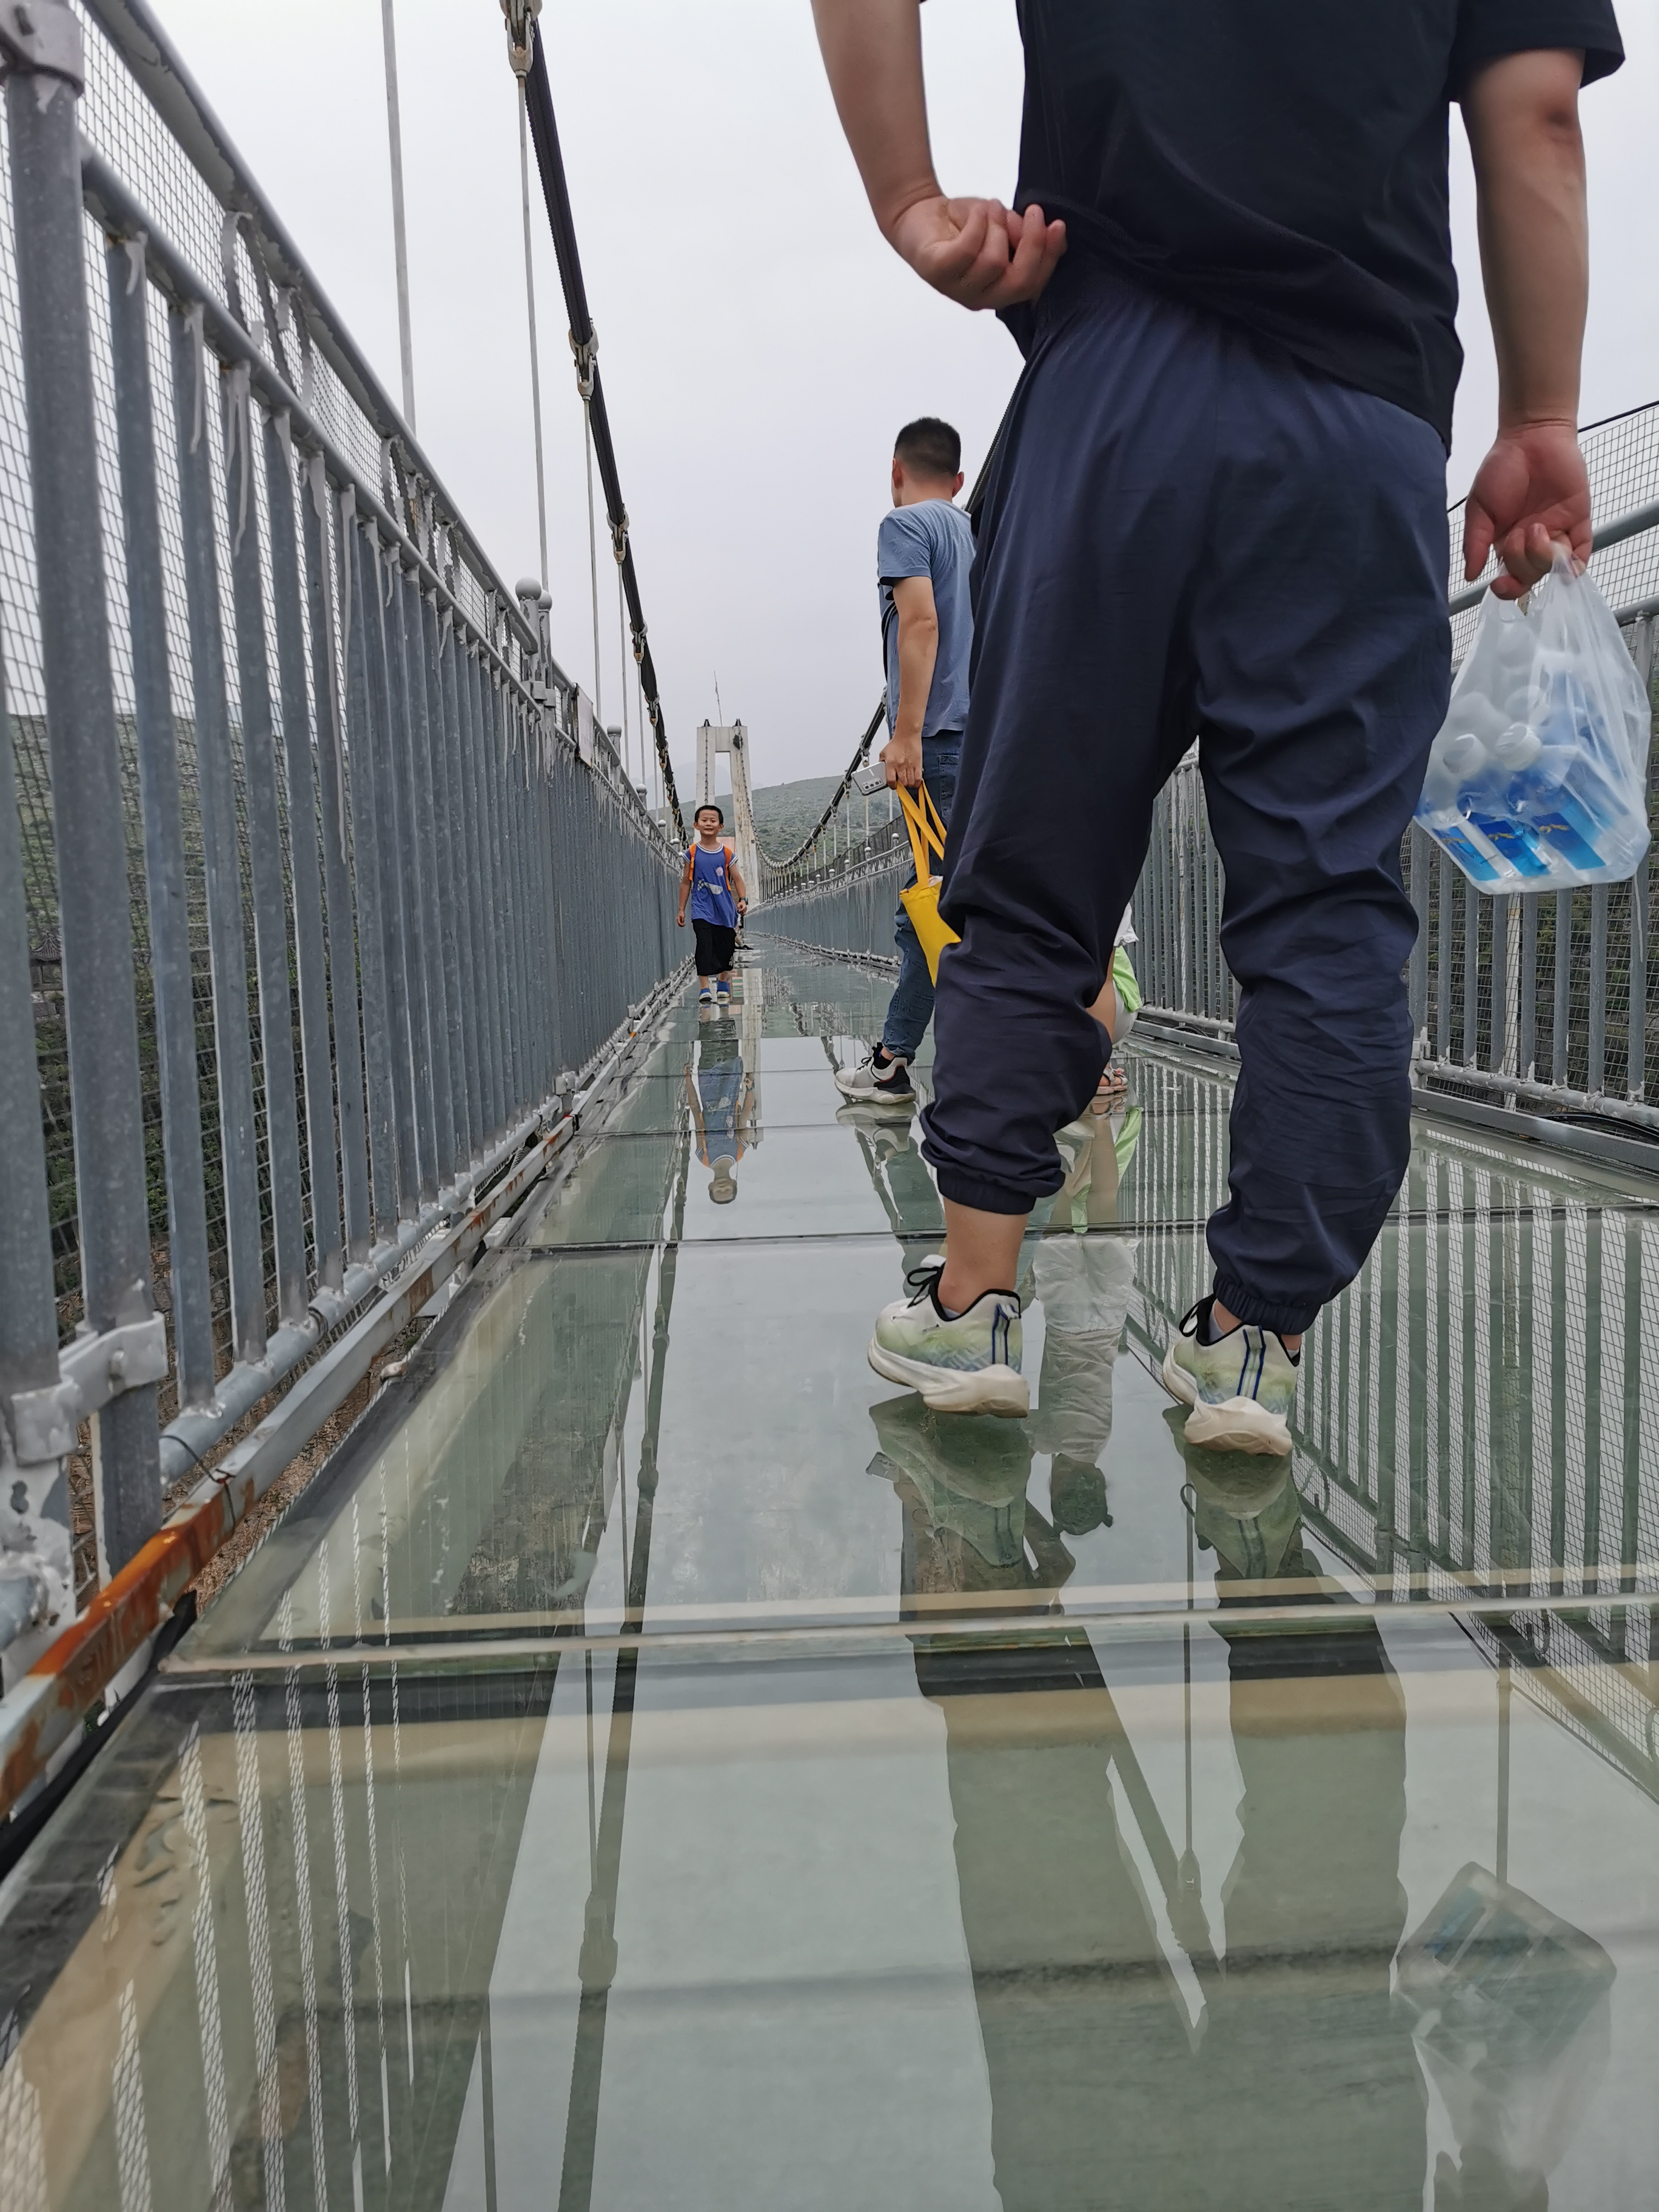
88	833
445	887
343	981
409	908
1418	986
28	1309
304	862
1563	984
1500	982
356	566
424	881
464	877
1597	1081
164	837
1527	1055
1443	972
233	1043
488	920
264	849
393	862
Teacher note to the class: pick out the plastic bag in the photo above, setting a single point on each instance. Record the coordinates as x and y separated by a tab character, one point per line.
1538	779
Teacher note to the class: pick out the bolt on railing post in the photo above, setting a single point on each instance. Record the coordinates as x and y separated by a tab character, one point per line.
42	91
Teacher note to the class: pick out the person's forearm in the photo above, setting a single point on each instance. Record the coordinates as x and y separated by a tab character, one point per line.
918	653
872	56
1521	117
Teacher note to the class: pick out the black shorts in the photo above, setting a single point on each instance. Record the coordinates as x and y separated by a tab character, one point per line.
716	947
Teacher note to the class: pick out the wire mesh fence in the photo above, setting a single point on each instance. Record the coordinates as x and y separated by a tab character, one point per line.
323	892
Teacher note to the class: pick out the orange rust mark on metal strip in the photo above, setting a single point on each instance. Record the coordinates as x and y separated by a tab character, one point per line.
92	1650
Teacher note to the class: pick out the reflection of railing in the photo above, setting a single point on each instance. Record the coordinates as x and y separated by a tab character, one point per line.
1475	1418
315	900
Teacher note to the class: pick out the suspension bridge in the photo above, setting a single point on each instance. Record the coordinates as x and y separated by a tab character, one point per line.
499	1705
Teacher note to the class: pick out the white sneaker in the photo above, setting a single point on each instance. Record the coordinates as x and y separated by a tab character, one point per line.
968	1365
1242	1388
866	1085
705	997
723	996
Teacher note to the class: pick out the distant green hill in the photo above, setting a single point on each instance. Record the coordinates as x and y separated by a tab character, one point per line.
784	813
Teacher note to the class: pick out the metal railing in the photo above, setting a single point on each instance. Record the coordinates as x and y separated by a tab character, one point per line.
1462	1430
319	894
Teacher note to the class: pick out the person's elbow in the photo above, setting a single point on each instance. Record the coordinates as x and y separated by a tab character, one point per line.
1524	107
919	628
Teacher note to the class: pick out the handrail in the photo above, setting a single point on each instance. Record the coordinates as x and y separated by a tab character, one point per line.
167	84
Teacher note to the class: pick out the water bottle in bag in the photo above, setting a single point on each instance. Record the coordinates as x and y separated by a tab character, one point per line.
1538	779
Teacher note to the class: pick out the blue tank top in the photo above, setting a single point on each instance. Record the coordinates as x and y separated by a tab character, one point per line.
711	889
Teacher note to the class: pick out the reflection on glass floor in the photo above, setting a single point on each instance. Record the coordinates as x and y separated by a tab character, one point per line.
658	1763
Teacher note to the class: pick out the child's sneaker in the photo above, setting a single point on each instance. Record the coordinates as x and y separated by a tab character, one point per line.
1241	1388
968	1365
705	997
723	996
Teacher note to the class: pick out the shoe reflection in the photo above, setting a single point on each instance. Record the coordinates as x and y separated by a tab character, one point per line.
968	1525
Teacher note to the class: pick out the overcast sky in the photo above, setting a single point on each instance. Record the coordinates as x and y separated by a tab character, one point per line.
760	343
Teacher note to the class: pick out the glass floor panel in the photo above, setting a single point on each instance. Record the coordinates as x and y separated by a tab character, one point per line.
656	1763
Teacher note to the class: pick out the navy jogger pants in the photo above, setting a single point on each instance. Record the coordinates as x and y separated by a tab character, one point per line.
1187	533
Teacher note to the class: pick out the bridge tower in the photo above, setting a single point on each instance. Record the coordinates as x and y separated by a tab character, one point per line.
731	738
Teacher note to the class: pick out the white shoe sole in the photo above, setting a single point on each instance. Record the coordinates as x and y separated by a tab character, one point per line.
957	1389
895	1101
1235	1425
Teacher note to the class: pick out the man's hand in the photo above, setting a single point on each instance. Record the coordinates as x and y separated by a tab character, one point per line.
974	250
679	919
1530	495
978	252
902	758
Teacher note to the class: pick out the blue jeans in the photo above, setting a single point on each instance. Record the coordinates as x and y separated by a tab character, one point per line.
911	1007
1186	532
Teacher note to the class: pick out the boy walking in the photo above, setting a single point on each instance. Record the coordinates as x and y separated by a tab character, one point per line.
716	891
924	556
1218	507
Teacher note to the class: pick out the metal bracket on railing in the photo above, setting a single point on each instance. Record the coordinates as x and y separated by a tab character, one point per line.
91	1370
42	37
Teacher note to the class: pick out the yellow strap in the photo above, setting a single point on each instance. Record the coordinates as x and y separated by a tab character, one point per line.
922	818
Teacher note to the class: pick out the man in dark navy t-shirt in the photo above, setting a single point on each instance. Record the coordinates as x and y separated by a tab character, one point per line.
1217	509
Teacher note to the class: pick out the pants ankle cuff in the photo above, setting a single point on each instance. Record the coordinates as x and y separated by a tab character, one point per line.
1284	1320
963	1189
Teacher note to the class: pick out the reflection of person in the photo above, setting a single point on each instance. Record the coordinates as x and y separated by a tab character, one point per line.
711	881
722	1106
1101	2093
1226	458
924	551
1084	1285
968	1525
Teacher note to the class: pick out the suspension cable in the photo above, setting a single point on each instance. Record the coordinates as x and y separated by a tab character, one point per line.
824	819
535	351
529	63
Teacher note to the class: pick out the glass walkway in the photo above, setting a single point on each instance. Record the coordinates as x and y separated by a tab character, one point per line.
655	1764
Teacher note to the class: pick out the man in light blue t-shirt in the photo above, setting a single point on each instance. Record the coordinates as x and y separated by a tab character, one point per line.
924	553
